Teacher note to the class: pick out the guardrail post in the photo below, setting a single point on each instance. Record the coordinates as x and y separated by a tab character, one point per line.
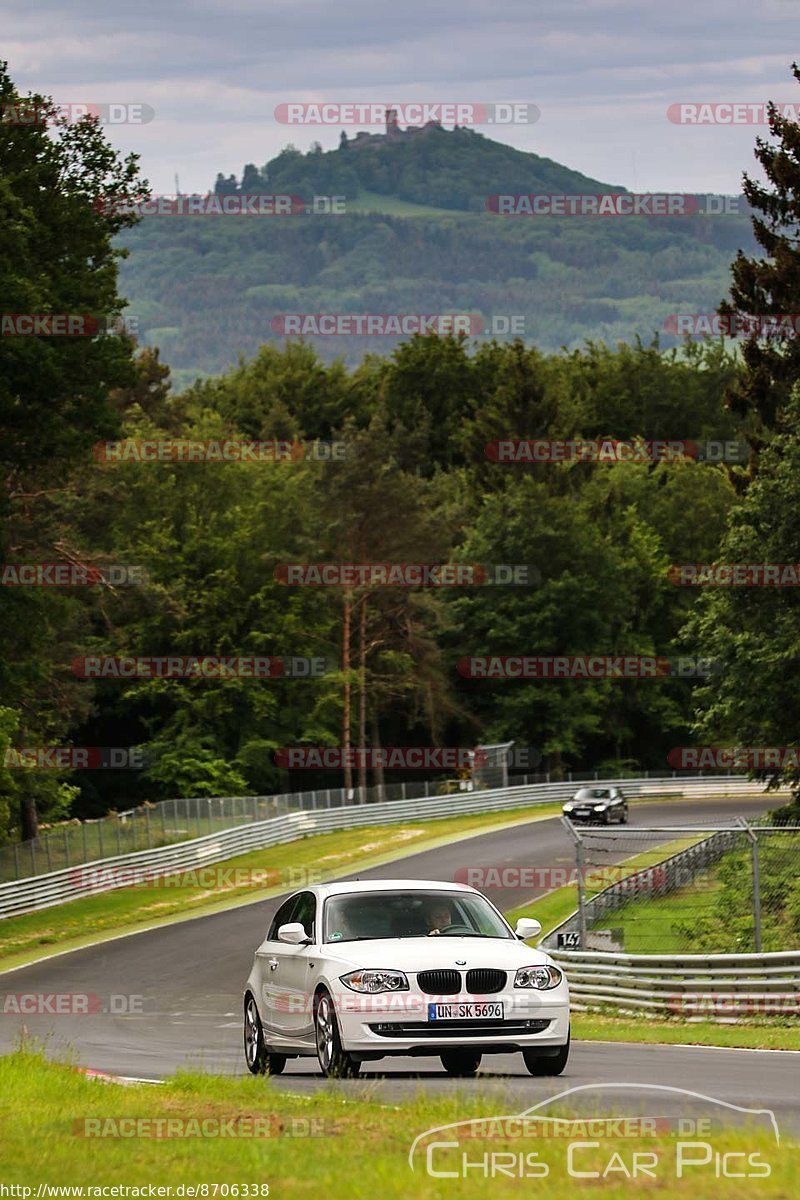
149	835
100	825
163	822
66	848
16	860
49	860
33	857
756	885
85	847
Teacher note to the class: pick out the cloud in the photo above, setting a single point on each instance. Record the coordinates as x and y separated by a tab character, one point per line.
603	73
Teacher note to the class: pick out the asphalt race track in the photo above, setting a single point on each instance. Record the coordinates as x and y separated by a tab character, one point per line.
185	982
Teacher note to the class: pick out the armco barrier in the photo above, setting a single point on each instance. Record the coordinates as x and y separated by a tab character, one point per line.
45	891
711	987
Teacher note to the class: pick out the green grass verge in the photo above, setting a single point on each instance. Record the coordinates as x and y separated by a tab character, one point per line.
291	865
755	1035
360	1147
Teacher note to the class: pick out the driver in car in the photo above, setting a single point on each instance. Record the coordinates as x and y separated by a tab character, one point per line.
439	916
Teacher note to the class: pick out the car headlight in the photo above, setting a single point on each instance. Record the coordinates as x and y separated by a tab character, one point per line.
541	977
375	981
568	807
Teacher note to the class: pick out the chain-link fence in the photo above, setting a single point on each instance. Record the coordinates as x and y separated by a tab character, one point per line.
76	842
686	890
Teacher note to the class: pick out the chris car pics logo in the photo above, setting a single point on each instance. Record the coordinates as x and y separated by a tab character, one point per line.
672	1134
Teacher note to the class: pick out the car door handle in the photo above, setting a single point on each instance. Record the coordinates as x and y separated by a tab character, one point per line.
273	963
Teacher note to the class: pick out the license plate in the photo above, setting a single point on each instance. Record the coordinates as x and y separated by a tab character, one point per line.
581	812
477	1010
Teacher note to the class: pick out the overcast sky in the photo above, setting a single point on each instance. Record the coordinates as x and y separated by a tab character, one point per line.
602	73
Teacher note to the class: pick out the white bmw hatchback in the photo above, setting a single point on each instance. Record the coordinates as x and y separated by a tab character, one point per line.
354	972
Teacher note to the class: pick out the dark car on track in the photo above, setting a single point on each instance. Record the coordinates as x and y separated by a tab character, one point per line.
598	805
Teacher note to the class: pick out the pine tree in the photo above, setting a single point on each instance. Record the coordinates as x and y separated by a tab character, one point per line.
769	286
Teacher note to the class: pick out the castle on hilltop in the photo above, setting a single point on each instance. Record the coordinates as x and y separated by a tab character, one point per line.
393	131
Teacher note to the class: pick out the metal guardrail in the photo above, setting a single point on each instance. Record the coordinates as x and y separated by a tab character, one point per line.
106	874
711	987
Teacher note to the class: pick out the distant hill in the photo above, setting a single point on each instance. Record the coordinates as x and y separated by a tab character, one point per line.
453	169
416	238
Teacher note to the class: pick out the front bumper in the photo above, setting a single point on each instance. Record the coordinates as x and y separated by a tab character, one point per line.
396	1023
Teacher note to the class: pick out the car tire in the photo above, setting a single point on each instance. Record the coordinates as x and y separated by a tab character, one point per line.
260	1060
547	1064
623	820
334	1061
461	1063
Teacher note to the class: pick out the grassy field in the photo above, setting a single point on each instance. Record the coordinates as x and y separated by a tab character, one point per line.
241	880
395	207
61	1129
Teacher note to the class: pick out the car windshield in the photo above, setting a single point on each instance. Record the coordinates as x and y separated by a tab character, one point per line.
358	916
592	794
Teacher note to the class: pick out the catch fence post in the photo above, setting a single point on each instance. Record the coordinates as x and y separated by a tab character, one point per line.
753	838
579	862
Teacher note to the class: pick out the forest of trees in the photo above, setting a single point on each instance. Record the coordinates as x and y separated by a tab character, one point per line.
415	485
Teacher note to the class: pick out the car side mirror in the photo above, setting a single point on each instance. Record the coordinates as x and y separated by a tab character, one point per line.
293	933
527	927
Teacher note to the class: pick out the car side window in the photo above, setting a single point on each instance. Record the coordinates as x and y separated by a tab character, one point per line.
306	913
283	916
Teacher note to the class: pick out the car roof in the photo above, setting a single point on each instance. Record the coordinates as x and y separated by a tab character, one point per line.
387	885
